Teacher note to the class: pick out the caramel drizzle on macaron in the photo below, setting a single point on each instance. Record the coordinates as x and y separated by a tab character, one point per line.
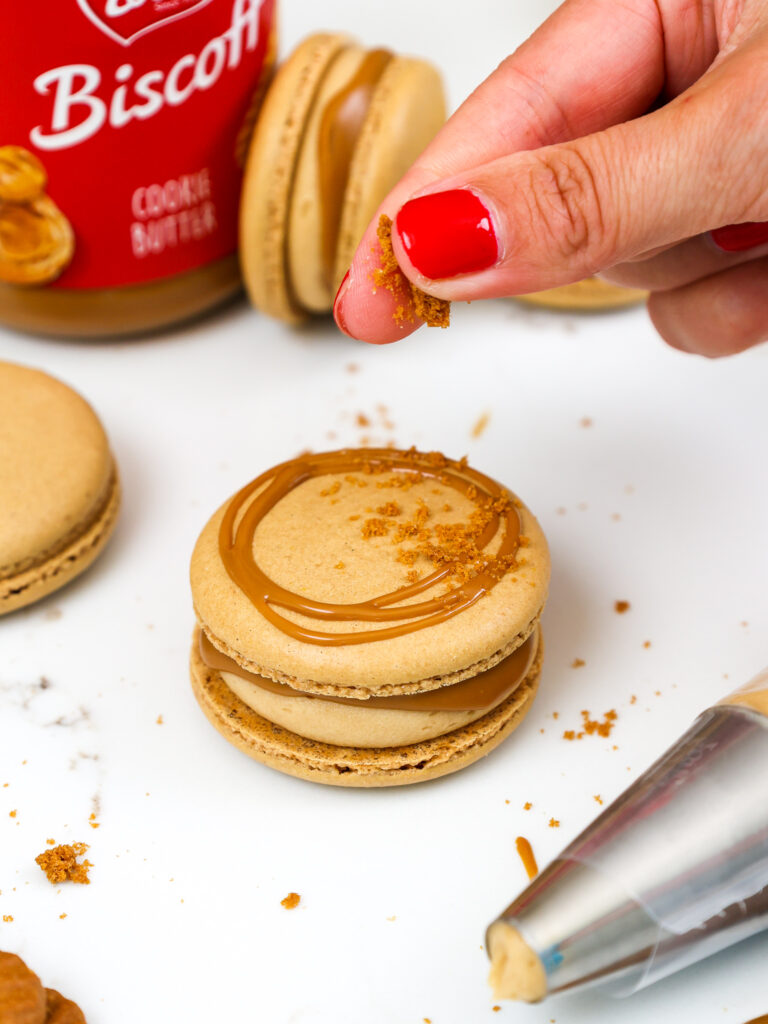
483	692
249	506
340	127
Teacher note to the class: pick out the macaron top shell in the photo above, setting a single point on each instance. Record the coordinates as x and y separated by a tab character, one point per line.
333	539
55	466
269	174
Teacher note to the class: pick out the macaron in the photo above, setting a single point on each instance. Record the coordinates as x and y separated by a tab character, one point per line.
590	294
368	617
339	127
59	490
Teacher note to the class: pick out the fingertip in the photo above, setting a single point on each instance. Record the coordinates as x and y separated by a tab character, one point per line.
338	305
373	314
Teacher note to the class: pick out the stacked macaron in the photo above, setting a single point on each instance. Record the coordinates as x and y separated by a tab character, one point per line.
339	126
368	617
59	492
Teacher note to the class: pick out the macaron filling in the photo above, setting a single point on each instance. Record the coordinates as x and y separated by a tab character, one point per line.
393	720
340	126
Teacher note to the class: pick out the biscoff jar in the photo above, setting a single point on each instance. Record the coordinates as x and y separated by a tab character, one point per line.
123	130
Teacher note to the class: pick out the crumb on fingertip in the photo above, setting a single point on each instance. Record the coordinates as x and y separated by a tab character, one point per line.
433	311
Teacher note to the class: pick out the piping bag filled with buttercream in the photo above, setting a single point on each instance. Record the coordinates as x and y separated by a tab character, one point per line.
676	869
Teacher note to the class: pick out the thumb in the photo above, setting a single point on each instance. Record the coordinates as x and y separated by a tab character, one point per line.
546	217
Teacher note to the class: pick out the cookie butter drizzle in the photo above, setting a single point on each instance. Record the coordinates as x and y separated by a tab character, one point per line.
340	128
249	506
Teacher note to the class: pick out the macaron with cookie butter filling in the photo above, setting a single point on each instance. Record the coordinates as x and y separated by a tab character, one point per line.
340	125
368	617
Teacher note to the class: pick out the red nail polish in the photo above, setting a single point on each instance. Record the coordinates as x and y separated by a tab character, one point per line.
448	233
738	237
338	306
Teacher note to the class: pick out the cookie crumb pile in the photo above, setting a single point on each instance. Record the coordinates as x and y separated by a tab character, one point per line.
61	864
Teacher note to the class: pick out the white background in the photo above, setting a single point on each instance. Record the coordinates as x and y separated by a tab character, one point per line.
661	501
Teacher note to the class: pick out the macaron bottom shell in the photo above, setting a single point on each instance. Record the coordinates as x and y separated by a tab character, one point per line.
334	765
58	569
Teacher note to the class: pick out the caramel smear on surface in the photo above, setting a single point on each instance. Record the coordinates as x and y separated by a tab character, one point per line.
525	853
480	426
433	311
61	865
291	901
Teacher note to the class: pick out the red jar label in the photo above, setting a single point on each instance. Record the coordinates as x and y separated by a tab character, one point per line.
136	110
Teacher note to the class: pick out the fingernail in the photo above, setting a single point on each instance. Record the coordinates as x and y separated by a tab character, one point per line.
738	237
338	305
448	233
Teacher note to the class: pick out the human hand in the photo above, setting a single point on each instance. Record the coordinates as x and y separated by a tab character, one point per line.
553	170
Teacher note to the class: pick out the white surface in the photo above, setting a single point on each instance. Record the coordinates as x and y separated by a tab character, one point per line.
197	845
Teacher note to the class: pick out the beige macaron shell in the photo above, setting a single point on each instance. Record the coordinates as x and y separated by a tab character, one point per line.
300	542
269	174
307	273
64	565
355	767
407	111
55	466
347	726
329	721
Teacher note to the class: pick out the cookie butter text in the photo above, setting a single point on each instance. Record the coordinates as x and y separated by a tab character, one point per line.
180	210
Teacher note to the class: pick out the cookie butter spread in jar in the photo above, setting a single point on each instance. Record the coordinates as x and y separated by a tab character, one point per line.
123	129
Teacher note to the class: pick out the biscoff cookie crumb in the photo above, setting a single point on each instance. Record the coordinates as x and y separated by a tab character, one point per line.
61	865
433	311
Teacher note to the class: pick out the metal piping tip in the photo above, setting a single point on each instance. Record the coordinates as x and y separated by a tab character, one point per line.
673	871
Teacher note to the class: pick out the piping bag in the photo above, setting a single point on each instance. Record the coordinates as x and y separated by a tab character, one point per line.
676	869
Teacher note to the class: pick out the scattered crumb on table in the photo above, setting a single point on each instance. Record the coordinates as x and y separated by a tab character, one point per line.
591	726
